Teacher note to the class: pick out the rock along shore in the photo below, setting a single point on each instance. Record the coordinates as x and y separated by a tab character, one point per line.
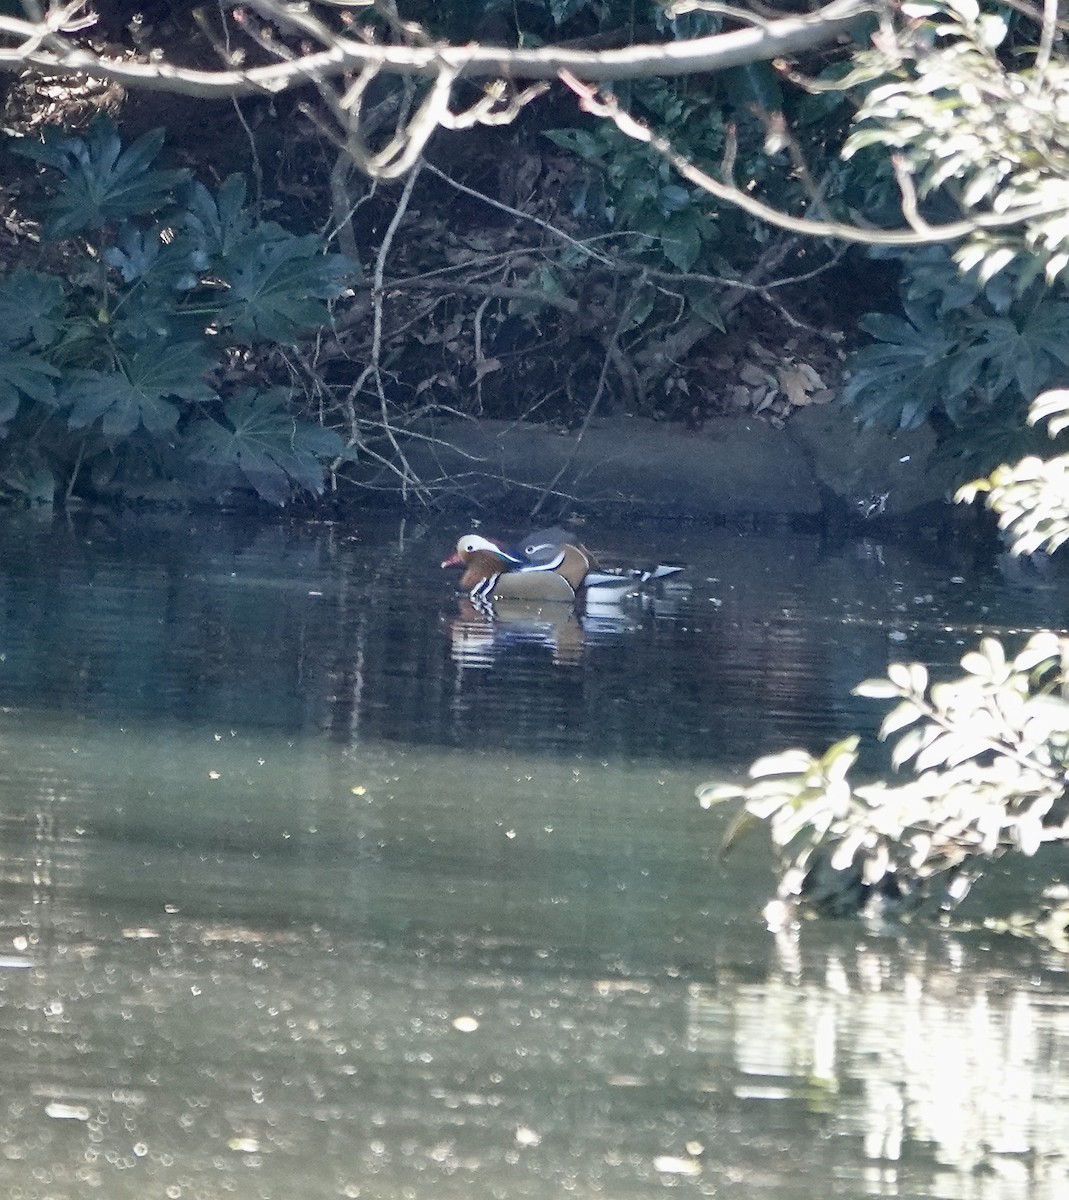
820	466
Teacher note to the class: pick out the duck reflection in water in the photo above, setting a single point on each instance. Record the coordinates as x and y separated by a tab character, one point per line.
533	593
480	631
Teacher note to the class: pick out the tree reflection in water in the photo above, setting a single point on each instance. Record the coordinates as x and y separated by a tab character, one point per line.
910	1051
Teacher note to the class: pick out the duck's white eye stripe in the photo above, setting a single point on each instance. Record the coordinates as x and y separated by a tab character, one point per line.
552	565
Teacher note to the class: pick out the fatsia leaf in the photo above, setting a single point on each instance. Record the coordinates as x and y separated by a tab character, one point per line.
30	307
118	404
278	283
103	183
217	223
24	373
140	392
561	10
272	449
135	253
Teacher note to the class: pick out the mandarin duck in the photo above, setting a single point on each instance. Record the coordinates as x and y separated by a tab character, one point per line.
547	566
493	570
552	549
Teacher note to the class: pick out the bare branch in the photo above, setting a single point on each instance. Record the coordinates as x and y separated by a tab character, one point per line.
346	55
608	107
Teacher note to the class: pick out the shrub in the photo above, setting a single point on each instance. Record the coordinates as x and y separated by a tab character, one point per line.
120	369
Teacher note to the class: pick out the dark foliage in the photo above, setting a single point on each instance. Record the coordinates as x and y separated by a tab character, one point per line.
120	357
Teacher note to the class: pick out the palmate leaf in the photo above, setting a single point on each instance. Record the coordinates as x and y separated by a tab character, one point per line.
910	371
135	254
24	373
1028	352
216	223
103	183
30	307
278	283
269	447
149	255
141	392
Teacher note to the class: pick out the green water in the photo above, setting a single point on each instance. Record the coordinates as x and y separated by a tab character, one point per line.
313	884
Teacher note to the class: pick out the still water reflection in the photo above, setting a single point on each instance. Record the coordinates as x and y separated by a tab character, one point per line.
313	884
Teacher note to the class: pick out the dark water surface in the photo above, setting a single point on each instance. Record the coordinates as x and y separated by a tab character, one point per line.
313	884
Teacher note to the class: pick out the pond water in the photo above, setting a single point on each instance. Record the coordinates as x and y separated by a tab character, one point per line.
315	884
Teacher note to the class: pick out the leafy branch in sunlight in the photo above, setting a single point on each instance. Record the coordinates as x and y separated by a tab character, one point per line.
988	753
973	132
1031	497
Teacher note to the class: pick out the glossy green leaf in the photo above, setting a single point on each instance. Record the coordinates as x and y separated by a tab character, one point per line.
31	306
681	240
263	442
141	393
24	373
216	223
103	183
277	285
703	300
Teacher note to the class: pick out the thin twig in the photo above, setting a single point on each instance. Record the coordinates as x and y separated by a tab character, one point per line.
608	107
603	375
408	476
582	247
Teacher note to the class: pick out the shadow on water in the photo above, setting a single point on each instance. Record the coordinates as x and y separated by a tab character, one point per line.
314	882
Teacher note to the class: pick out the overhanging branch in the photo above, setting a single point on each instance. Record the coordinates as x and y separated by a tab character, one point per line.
784	37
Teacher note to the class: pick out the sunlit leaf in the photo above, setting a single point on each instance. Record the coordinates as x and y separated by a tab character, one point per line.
993	651
1052	406
710	794
976	664
1028	834
876	865
838	760
911	743
899	674
1041	649
843	855
878	689
790	762
899	717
